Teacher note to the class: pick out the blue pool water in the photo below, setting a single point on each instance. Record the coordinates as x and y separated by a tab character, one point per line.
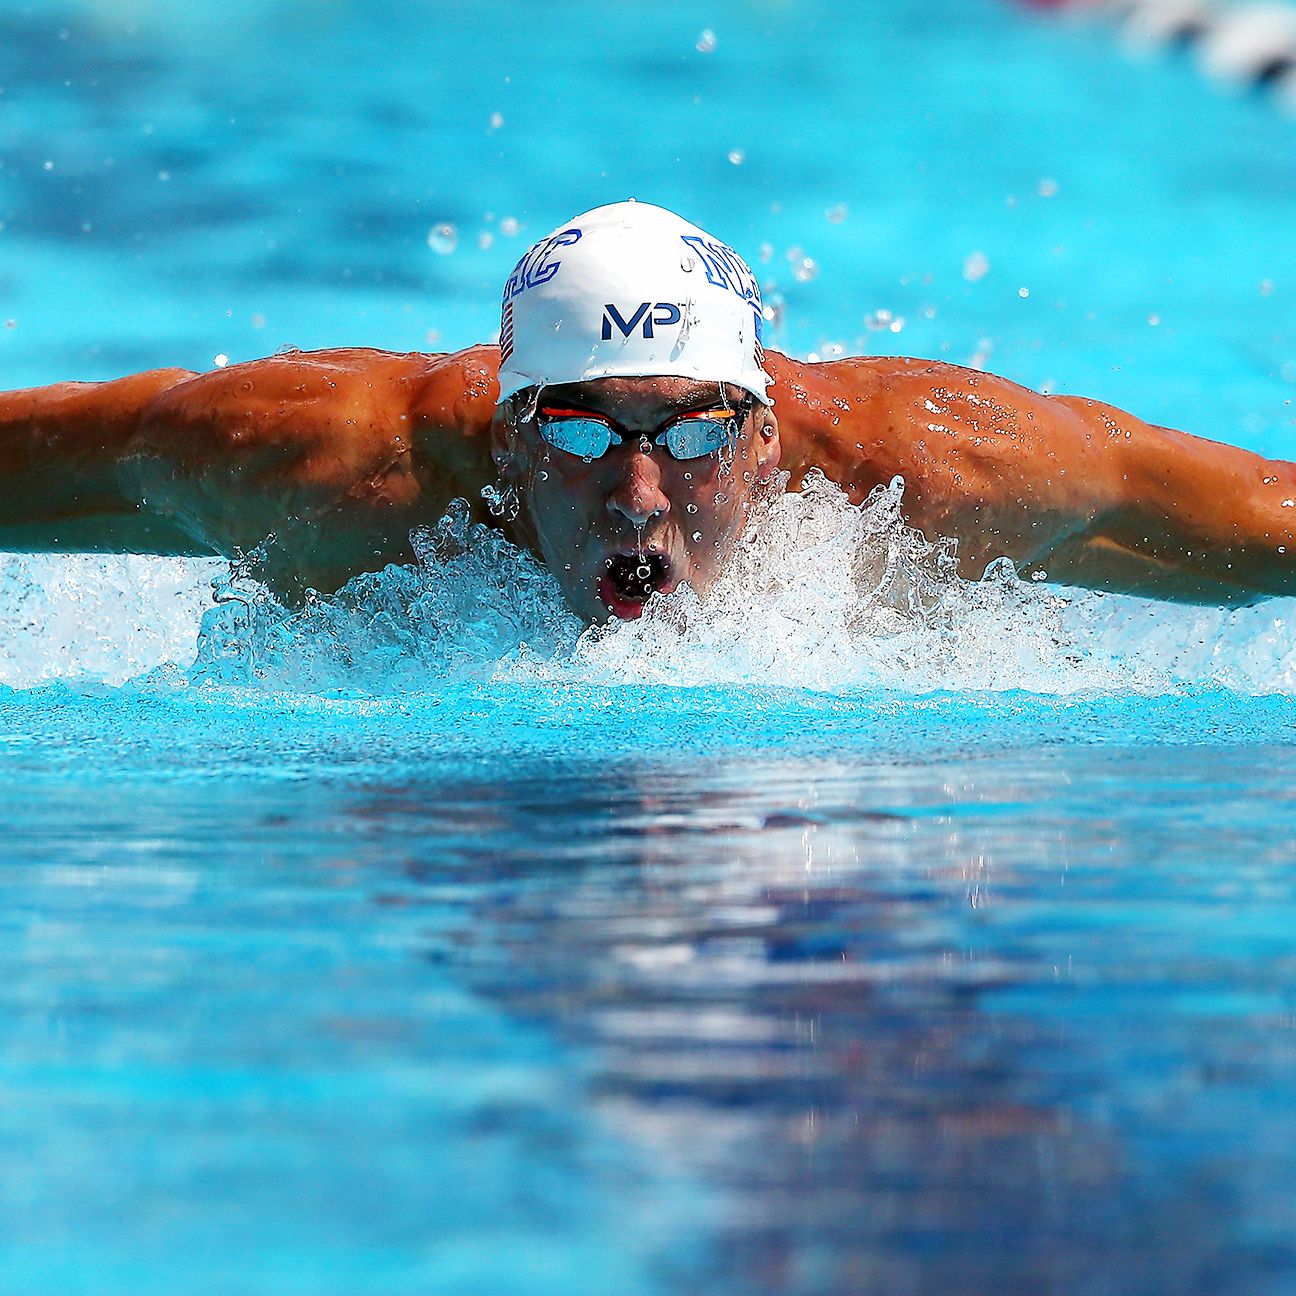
416	941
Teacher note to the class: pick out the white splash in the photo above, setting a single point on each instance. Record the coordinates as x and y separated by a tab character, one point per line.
821	594
100	617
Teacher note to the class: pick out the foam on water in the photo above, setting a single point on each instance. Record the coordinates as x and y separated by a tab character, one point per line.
821	595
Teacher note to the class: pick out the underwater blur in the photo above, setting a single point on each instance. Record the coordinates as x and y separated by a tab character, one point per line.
859	929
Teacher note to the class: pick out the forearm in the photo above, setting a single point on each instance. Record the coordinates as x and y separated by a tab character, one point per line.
62	484
1210	521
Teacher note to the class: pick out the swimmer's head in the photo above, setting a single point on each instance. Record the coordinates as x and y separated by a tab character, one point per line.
631	290
634	420
617	515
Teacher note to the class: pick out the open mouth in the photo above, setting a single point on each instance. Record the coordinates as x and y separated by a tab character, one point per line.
631	580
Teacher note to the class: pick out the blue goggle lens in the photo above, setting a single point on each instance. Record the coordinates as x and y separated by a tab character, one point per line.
590	438
688	437
691	438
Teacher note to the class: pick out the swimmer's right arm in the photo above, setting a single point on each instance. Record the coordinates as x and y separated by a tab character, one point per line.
62	454
336	453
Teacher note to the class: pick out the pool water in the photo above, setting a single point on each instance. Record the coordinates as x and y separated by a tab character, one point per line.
917	936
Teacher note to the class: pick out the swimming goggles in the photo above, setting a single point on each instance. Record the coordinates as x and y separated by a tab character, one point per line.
686	436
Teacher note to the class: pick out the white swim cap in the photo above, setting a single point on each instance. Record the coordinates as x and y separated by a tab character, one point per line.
634	291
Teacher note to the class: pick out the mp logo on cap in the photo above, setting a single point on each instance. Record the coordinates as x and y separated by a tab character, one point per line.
645	317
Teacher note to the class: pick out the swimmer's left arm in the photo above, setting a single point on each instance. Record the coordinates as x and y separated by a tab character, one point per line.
1070	489
1181	517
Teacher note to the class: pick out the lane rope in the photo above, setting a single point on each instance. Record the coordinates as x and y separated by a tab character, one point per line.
1238	46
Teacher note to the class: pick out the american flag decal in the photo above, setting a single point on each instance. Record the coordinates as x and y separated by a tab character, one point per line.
506	333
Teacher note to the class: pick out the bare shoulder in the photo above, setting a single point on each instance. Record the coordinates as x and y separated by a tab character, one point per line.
325	415
941	426
900	394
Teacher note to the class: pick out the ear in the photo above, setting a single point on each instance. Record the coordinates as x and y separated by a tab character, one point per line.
766	446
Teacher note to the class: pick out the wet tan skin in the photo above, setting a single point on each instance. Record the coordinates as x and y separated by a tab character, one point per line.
340	453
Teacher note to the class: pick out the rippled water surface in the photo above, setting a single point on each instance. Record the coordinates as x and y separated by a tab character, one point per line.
863	930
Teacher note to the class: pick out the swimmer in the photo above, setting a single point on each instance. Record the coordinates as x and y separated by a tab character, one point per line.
623	430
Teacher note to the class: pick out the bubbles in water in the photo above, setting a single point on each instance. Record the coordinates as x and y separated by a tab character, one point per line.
443	238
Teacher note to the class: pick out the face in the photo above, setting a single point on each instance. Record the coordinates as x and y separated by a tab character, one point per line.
635	522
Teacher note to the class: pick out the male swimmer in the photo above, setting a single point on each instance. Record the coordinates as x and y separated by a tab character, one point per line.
634	417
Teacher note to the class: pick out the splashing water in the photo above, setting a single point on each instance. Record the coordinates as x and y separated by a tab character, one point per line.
821	594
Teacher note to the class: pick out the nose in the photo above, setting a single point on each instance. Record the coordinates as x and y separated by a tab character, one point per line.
637	494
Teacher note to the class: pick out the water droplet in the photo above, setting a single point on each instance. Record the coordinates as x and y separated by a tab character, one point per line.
737	157
510	226
485	239
688	476
690	508
697	535
221	360
977	266
443	238
836	213
1291	503
806	269
706	42
1047	188
496	120
1023	292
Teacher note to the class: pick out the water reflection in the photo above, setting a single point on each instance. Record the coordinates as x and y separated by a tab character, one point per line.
862	1000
